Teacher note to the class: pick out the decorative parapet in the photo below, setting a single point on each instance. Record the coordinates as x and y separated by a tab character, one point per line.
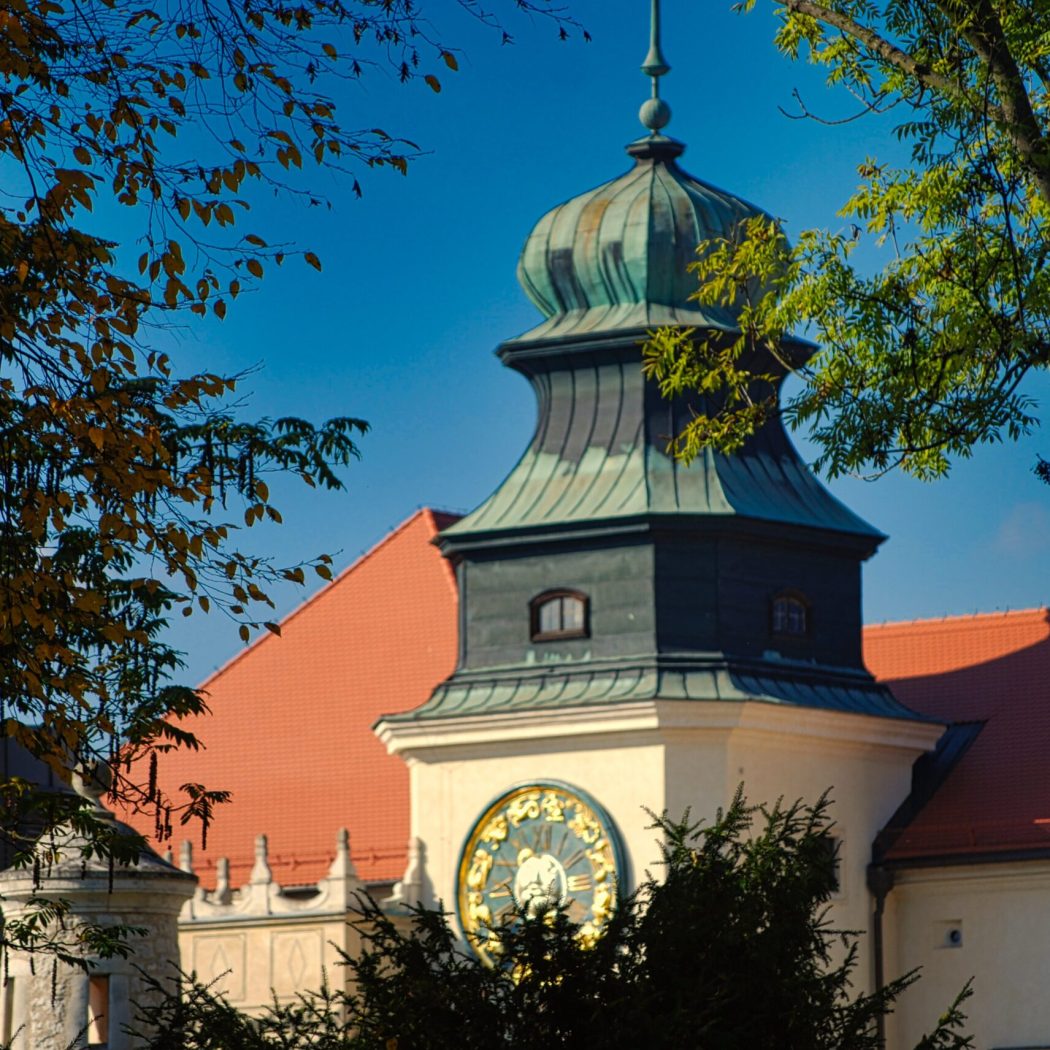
262	940
263	897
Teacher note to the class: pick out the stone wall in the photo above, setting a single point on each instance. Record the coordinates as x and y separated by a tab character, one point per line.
45	1006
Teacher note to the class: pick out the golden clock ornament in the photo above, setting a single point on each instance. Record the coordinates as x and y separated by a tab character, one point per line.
535	848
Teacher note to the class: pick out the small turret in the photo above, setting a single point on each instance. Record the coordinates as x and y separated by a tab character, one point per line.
43	1010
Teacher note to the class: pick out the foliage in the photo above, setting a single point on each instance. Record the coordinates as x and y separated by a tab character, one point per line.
923	356
123	483
732	948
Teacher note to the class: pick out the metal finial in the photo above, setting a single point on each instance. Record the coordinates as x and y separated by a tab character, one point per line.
655	113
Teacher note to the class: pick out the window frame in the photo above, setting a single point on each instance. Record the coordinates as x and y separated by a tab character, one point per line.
796	596
99	1006
565	633
837	849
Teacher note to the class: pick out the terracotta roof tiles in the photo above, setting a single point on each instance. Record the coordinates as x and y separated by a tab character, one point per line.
290	730
993	669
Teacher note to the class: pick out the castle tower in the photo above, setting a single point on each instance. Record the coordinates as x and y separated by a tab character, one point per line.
53	1006
635	632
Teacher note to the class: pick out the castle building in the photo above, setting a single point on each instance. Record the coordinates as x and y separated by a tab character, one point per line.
489	703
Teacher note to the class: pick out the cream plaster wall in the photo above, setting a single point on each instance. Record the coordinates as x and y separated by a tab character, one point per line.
1003	913
449	796
251	960
866	779
663	755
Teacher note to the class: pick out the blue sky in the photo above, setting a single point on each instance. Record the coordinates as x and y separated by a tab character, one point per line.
418	288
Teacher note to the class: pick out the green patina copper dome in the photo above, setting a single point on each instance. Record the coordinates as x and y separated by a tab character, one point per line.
618	256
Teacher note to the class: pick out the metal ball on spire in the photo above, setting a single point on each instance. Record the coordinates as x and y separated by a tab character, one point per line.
655	112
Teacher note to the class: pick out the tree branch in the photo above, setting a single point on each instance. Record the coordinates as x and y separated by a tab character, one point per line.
879	45
1015	112
979	26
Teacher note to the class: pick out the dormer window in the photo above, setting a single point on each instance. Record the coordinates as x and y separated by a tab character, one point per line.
559	614
790	615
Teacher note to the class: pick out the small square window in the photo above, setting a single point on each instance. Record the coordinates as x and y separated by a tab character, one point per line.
789	615
559	614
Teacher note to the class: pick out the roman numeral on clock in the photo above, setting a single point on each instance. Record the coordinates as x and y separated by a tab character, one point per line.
579	883
571	862
542	841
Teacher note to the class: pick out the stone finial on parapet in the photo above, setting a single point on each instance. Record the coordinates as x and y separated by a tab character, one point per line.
342	866
186	865
262	896
342	883
222	894
258	895
261	875
414	887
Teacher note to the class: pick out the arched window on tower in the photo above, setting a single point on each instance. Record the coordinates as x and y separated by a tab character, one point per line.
559	614
789	615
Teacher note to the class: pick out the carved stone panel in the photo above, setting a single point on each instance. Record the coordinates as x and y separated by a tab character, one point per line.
220	958
297	958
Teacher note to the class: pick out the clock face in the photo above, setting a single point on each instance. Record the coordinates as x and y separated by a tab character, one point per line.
535	848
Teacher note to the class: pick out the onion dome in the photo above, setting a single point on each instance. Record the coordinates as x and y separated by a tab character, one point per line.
618	256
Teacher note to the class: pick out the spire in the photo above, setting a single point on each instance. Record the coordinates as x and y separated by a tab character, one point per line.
655	113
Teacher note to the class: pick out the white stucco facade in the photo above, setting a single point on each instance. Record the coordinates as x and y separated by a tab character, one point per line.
663	756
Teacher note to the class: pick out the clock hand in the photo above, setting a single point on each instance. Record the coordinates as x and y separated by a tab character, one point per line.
501	889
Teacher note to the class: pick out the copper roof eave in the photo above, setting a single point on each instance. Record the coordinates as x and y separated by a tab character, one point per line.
691	679
450	542
527	345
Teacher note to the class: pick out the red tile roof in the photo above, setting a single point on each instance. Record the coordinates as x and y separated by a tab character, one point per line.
290	730
992	668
